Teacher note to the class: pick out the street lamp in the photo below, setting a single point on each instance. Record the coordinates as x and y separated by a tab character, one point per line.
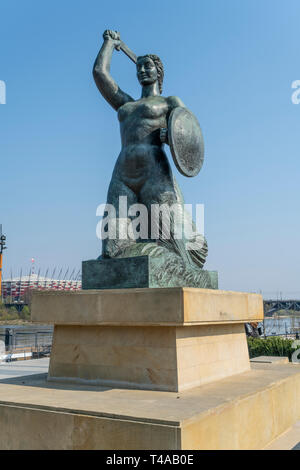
2	248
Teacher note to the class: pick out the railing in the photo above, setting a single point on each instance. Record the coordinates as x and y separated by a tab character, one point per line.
26	345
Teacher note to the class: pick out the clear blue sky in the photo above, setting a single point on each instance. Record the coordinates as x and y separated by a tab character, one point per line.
232	62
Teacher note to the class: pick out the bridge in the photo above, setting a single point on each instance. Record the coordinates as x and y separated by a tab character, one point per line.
273	306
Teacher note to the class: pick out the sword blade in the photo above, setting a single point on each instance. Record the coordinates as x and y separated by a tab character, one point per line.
128	52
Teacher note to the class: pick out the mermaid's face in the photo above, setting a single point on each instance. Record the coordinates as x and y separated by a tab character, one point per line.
146	71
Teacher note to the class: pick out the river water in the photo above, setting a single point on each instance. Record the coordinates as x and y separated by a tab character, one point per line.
282	325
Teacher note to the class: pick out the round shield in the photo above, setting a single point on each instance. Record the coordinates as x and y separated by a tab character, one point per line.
186	141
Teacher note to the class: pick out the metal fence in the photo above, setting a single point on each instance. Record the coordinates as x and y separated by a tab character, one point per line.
16	342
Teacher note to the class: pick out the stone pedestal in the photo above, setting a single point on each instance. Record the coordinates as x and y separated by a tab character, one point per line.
161	340
244	411
137	272
155	339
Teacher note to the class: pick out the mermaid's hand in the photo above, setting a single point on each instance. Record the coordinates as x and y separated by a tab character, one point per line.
164	135
114	36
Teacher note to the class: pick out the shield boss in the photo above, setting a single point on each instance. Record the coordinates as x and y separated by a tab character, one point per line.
186	141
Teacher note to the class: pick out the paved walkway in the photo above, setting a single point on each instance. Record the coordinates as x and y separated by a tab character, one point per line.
22	368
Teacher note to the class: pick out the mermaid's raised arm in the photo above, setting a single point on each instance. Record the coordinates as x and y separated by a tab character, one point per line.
101	72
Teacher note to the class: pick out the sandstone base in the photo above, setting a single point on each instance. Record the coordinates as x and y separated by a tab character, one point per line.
156	339
153	358
246	411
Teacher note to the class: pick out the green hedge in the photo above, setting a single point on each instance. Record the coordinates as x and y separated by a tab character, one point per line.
272	346
9	314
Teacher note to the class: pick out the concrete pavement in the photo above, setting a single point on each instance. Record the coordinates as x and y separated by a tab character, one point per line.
23	368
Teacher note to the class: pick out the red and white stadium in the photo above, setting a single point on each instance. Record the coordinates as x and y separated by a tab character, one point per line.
15	288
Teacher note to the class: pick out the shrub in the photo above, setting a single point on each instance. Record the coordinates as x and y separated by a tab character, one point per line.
25	313
272	346
8	314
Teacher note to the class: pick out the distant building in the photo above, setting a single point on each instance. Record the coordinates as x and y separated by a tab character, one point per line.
15	289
